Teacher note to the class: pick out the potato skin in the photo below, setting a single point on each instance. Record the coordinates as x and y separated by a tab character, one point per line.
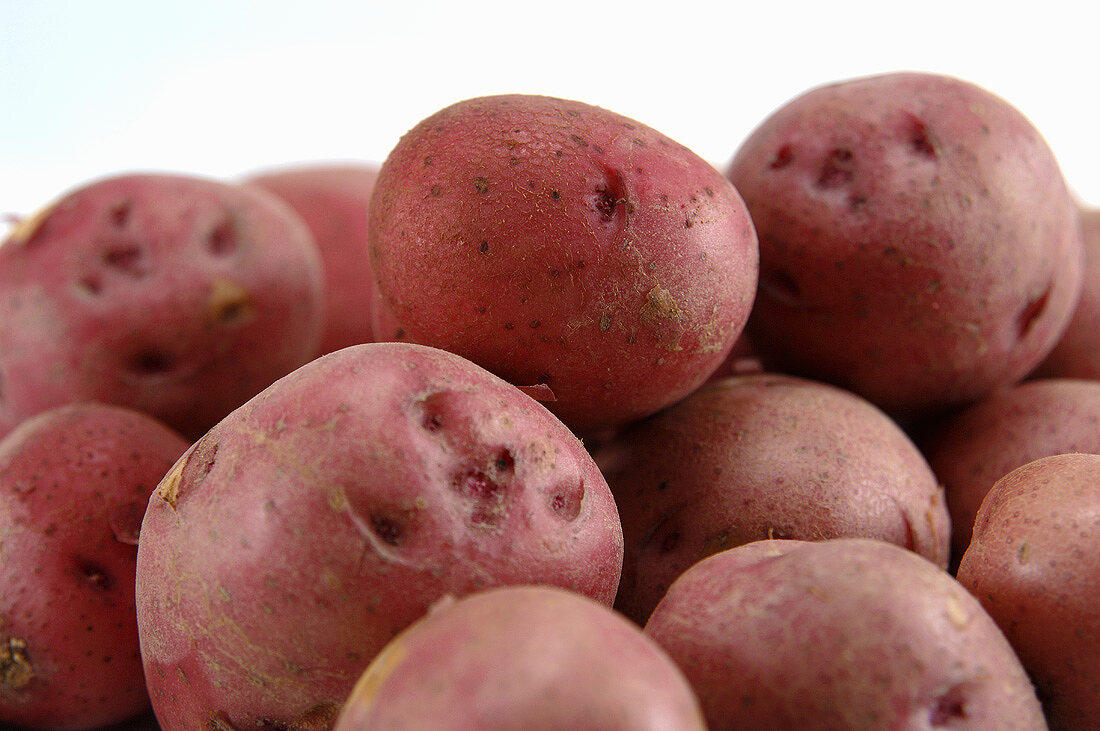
332	199
1077	354
850	633
524	657
557	243
1034	566
329	512
175	295
764	456
971	449
918	243
74	482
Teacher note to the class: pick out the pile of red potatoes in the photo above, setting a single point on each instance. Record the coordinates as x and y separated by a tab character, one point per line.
545	422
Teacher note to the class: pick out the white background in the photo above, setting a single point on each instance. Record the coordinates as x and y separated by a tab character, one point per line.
227	87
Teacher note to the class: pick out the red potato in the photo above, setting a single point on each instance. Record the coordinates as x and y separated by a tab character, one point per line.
1034	564
315	522
850	633
562	245
332	199
973	448
74	482
763	456
918	243
533	658
175	295
1077	354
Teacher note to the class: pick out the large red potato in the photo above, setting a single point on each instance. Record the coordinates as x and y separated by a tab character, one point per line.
562	245
918	244
971	449
74	483
533	658
332	199
1077	354
763	456
313	523
852	633
175	295
1034	564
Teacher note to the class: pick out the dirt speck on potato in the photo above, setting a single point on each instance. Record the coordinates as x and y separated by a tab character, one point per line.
16	670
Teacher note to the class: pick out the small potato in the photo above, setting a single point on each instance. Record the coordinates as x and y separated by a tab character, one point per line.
318	520
851	633
332	199
175	295
1034	564
973	448
763	456
1077	354
561	245
74	483
533	658
918	244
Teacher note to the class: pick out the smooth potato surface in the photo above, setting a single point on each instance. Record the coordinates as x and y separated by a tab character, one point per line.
973	448
296	538
1034	564
764	456
332	199
918	242
563	245
851	633
535	658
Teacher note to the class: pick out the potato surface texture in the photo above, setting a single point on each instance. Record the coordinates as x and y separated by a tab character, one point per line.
1034	563
971	449
850	633
333	201
312	524
764	456
560	244
74	483
918	243
533	658
175	295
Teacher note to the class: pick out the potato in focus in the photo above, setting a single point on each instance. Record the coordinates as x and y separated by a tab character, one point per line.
561	245
318	520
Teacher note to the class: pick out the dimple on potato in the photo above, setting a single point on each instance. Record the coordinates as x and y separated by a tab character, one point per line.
561	245
918	243
74	483
524	657
312	524
173	294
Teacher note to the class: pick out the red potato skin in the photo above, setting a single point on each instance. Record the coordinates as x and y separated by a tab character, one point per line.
557	243
764	456
1033	565
1077	354
310	526
178	296
918	243
74	482
850	633
973	448
536	658
332	199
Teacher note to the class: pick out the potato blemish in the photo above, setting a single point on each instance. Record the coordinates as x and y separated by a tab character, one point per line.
16	670
229	303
